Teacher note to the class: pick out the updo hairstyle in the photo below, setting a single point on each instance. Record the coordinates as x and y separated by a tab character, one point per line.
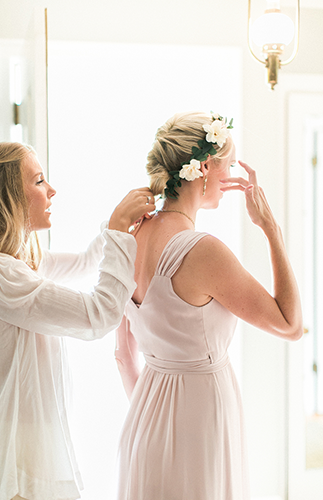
15	237
173	146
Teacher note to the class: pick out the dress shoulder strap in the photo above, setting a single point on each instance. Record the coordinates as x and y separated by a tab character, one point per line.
175	251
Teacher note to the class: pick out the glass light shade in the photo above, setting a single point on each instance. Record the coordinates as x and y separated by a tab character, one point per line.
272	28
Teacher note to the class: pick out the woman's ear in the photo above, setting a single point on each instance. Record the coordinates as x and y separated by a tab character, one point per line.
204	167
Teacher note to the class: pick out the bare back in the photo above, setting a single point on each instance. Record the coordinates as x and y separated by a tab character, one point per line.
151	238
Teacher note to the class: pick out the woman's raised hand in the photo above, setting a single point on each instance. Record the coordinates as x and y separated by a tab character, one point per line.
137	203
258	208
280	313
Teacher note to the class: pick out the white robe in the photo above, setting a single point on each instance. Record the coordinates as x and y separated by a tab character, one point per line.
36	454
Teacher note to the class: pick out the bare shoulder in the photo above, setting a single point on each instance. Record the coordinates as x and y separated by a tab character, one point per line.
207	271
215	271
210	251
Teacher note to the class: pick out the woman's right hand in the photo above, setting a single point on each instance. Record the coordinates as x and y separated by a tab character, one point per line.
133	206
257	206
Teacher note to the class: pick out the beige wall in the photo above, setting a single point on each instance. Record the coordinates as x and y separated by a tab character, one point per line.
214	22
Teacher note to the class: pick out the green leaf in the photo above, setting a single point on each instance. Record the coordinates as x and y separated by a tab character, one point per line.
174	195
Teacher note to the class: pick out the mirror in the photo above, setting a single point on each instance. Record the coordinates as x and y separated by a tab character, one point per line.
305	234
313	296
23	100
23	66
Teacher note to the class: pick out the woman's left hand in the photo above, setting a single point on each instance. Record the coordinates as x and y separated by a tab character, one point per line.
257	206
131	208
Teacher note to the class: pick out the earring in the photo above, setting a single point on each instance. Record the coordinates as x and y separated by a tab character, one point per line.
204	185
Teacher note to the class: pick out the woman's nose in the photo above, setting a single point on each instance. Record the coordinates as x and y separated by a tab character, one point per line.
51	192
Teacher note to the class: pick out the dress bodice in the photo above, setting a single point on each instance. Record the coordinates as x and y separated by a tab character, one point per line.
168	328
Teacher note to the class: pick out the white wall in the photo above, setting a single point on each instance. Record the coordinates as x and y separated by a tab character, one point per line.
214	22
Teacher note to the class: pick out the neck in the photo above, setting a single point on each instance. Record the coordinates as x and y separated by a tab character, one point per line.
182	213
188	202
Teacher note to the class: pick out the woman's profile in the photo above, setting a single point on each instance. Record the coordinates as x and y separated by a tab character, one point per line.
184	436
37	459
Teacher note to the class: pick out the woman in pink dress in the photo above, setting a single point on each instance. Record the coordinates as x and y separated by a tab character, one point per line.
183	438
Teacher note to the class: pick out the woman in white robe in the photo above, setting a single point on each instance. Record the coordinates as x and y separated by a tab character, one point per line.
37	460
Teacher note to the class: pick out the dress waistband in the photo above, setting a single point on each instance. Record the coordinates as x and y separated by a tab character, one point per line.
196	367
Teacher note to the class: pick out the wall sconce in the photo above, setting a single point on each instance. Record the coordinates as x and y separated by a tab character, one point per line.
272	32
17	93
16	98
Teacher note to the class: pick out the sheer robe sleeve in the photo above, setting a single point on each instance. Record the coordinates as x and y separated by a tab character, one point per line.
61	267
40	305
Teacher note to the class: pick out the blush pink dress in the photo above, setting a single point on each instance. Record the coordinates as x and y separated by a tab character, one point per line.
183	438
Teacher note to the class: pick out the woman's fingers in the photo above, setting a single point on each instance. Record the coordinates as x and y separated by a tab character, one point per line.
234	184
250	172
256	203
235	180
143	196
148	199
236	187
239	183
135	204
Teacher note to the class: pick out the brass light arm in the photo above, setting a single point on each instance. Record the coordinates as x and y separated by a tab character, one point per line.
296	41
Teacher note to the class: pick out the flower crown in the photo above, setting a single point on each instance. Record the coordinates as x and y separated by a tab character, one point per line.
216	133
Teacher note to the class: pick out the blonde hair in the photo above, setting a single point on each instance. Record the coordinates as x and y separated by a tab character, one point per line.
173	146
15	238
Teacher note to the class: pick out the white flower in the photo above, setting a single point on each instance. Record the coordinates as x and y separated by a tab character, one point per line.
191	171
216	132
